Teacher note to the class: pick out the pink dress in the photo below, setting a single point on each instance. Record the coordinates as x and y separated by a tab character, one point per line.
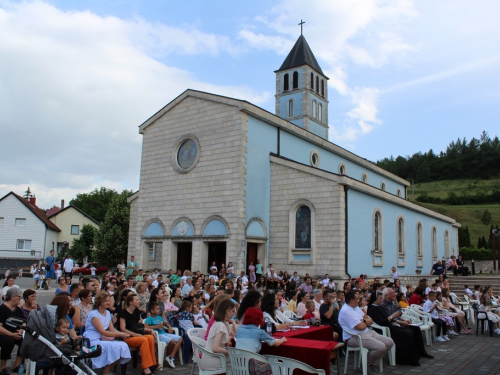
251	273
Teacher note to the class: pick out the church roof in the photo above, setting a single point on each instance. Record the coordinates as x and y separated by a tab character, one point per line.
301	54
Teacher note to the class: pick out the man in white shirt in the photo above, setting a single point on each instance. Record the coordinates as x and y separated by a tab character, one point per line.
68	267
244	279
354	321
325	281
159	279
187	287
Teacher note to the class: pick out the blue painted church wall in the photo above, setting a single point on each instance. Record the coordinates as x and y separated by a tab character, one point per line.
297	106
361	208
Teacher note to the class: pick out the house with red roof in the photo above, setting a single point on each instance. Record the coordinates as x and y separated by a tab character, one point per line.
26	234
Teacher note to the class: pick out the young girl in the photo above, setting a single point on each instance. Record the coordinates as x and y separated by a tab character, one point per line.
186	318
394	274
230	270
310	306
485	308
444	315
251	273
402	301
62	329
198	316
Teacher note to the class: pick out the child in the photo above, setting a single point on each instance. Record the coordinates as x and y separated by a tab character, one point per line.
186	319
62	329
444	315
36	277
198	316
156	322
431	306
402	301
92	270
395	274
310	306
41	278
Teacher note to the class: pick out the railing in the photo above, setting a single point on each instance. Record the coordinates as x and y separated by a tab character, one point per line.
20	254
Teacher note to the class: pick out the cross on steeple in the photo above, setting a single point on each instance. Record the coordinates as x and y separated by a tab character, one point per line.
301	23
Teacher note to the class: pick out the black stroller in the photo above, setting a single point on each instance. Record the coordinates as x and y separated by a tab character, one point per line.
39	343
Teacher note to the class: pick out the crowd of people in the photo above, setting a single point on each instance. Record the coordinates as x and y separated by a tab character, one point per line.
120	310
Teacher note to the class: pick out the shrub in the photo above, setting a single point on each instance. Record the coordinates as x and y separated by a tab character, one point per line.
476	254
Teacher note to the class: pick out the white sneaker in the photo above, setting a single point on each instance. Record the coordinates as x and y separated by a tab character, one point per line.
453	333
497	331
440	339
446	338
170	361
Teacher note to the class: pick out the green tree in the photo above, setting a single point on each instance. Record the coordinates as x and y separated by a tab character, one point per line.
82	247
96	203
486	217
111	240
424	172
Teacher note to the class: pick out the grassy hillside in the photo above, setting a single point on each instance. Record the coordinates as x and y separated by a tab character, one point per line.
467	215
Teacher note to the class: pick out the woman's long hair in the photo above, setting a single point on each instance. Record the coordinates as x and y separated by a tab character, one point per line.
269	303
63	305
251	299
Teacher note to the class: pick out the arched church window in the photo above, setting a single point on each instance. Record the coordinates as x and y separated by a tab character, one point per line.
314	109
382	186
401	236
364	178
295	80
317	84
419	240
377	232
303	228
322	87
312	81
398	192
342	169
290	108
434	244
286	84
320	112
446	244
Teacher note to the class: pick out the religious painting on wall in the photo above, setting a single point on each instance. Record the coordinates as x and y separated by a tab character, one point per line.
303	228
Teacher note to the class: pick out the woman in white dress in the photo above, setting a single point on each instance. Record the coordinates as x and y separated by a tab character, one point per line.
218	335
100	331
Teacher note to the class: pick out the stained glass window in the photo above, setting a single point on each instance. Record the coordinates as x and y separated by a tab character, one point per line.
377	231
187	154
303	228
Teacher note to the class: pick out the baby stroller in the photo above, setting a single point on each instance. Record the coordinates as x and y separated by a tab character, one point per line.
39	343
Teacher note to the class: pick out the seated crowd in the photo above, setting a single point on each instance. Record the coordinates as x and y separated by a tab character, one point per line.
120	312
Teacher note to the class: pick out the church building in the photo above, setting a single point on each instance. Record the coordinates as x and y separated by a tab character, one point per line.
226	181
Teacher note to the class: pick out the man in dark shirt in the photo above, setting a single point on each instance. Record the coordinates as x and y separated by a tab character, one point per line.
462	270
438	269
408	339
329	314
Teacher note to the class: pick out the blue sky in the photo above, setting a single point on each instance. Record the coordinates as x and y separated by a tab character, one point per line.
79	77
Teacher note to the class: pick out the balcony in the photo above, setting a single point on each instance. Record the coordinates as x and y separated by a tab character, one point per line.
20	254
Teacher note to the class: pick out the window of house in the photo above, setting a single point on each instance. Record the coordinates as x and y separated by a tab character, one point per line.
295	80
322	87
398	192
382	186
303	228
290	108
342	169
312	81
314	158
446	244
364	178
420	251
317	84
23	244
434	244
152	251
75	229
320	112
20	222
286	84
377	232
401	236
314	109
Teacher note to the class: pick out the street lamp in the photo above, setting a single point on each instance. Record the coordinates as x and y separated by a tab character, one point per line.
494	241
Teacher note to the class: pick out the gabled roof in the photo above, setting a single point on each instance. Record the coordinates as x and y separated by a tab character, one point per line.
36	211
301	54
76	208
52	211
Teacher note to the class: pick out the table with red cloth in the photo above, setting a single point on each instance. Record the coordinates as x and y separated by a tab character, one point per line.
313	346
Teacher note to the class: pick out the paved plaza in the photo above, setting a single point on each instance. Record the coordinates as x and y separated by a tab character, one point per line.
464	354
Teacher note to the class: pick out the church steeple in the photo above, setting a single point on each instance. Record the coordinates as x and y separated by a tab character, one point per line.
302	91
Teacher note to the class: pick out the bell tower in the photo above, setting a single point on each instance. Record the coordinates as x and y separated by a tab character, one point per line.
302	90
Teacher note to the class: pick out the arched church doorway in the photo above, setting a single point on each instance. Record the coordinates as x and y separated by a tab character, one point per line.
252	254
184	255
217	254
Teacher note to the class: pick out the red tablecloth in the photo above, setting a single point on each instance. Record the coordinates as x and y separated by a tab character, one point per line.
321	333
315	353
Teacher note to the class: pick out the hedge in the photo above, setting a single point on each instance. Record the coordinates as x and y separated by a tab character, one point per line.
476	254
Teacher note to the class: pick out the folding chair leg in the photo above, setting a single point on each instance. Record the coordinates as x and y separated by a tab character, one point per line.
364	360
392	356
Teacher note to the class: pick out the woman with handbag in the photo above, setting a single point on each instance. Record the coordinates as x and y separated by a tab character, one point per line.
100	331
130	323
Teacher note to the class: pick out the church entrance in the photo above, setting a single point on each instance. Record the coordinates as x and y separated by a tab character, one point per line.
252	256
184	253
217	254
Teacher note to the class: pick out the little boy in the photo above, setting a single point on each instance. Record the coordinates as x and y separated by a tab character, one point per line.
198	316
156	322
431	306
310	307
62	329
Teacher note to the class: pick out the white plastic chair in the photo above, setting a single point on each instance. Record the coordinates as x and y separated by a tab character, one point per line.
387	333
161	348
290	314
425	323
239	360
466	307
199	351
196	332
285	366
363	358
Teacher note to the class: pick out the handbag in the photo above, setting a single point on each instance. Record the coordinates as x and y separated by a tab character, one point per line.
138	328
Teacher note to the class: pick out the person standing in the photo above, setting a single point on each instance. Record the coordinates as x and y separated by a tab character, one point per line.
258	269
68	267
132	266
50	271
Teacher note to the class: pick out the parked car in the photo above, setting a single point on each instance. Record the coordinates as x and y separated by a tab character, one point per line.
85	269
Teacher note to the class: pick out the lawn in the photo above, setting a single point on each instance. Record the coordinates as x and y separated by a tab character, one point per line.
441	189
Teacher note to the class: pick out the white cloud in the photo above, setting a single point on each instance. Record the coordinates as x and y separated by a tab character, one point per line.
74	86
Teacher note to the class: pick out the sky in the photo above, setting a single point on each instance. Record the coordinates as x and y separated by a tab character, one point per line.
77	78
